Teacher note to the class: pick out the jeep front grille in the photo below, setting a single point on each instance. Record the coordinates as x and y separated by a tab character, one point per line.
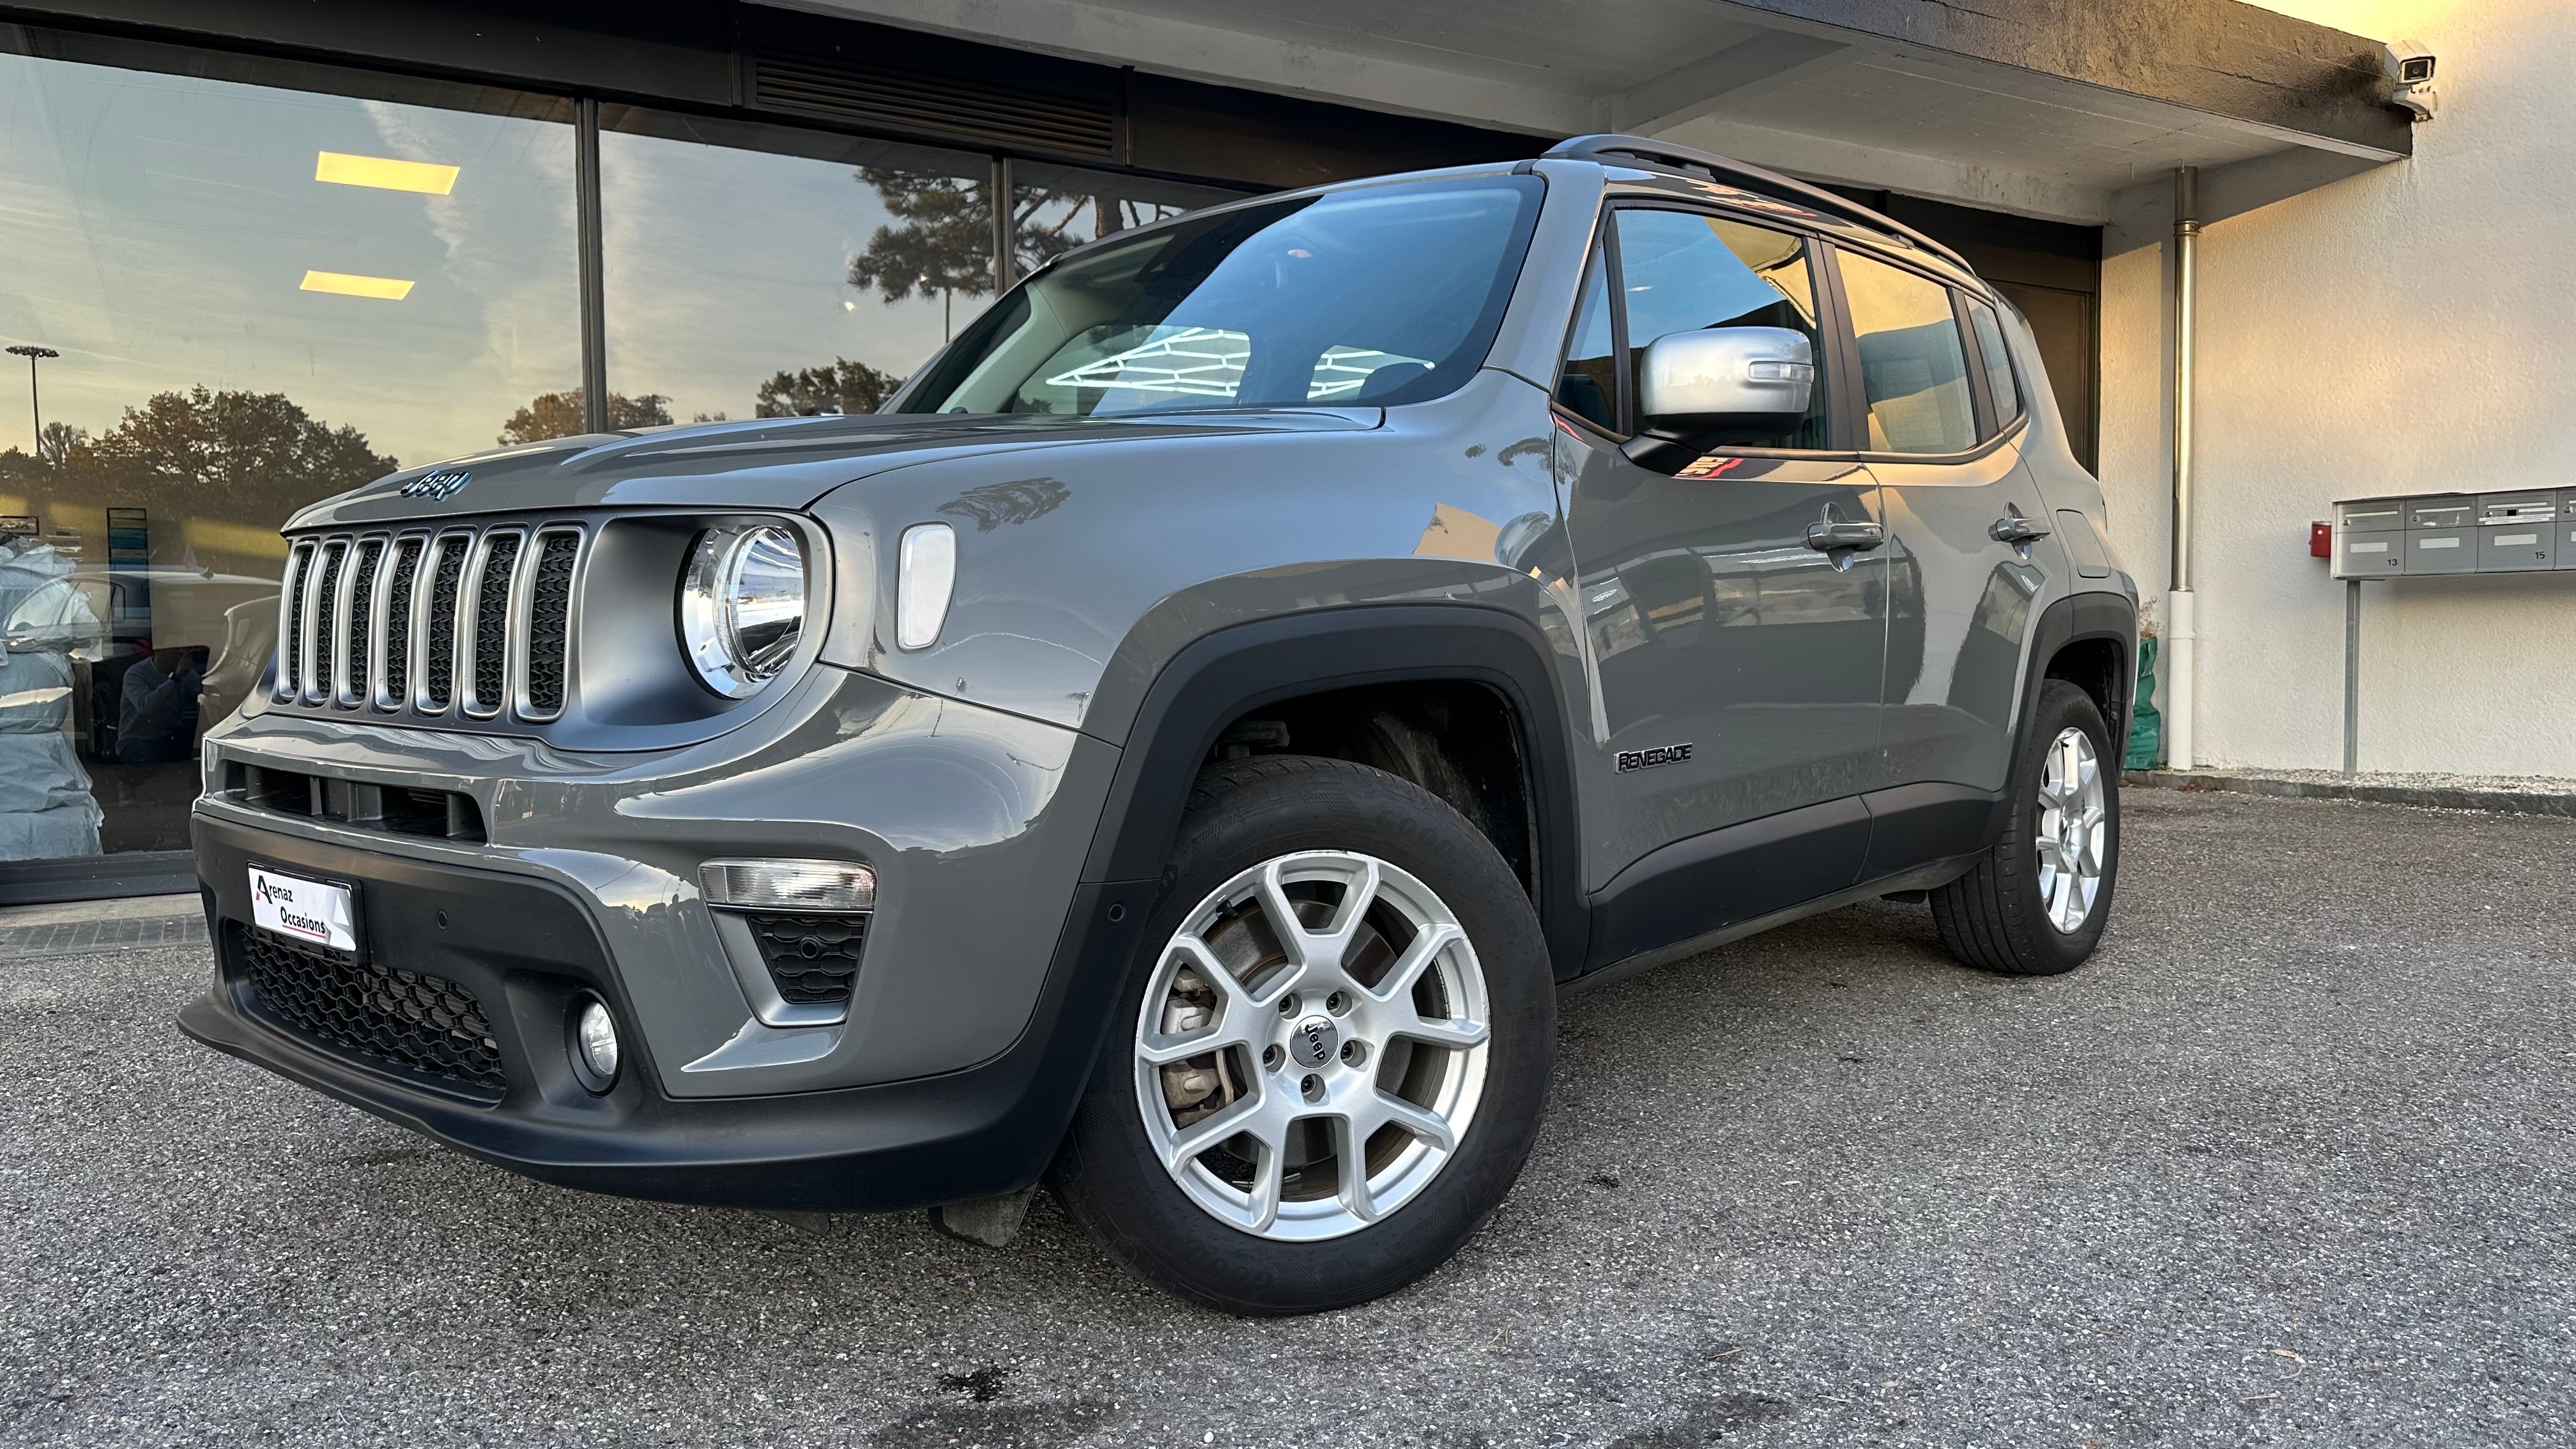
474	621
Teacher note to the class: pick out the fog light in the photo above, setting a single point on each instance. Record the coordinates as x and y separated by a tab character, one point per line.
594	1045
789	885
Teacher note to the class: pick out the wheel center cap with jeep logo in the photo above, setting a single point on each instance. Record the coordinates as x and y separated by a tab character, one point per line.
1313	1041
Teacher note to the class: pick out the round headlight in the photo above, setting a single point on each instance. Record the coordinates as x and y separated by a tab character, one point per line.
742	606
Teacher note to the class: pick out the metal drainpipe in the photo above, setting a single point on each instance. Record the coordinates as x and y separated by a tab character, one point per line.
2182	634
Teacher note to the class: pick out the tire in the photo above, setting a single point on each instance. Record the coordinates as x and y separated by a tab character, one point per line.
2013	913
1306	832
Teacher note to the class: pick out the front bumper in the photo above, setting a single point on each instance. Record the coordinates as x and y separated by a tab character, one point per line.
528	950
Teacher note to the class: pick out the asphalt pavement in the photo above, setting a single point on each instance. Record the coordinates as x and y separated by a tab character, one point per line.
2290	1162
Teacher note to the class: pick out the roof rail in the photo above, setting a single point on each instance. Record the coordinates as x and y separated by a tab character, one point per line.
1616	148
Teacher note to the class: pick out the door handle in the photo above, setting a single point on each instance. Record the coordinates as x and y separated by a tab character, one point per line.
1835	534
2013	528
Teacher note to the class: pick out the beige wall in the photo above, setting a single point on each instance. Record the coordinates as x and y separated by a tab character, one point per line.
2409	329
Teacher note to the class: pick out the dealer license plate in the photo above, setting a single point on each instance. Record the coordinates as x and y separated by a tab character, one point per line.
304	910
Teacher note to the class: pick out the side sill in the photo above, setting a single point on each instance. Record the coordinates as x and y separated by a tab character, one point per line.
1920	878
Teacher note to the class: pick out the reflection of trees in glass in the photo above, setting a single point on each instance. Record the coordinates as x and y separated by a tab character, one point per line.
559	415
945	241
842	387
55	447
255	457
945	244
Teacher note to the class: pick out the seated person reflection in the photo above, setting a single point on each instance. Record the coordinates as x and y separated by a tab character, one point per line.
155	718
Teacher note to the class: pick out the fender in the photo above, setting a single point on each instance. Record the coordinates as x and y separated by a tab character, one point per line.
1216	679
2093	615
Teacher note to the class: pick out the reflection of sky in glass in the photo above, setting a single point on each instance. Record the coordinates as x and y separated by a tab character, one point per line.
725	267
155	229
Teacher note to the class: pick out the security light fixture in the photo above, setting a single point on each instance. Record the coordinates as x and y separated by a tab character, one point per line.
2409	65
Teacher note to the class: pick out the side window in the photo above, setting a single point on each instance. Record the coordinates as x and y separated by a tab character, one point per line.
1999	369
1681	271
1587	385
1913	366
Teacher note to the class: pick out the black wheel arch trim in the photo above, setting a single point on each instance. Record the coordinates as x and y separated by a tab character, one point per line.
2071	620
1225	674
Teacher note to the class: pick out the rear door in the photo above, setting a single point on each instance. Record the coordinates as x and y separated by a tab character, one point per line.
1944	416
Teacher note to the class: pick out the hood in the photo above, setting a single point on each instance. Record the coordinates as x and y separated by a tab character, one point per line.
767	463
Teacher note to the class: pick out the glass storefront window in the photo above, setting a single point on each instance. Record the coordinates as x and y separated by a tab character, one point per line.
759	271
238	298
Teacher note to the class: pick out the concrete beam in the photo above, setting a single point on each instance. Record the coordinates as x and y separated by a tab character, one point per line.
1935	178
1687	92
2308	83
2142	215
1226	54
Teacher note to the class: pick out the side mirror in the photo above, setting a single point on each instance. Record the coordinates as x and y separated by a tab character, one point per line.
1749	380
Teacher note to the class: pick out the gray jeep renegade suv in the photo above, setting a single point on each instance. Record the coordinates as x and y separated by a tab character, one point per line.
1182	745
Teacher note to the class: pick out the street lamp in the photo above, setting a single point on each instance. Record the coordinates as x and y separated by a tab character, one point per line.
33	406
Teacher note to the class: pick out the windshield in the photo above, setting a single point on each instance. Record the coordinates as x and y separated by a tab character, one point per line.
1384	294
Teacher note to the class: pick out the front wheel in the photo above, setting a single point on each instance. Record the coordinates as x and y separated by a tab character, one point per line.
2036	903
1330	1066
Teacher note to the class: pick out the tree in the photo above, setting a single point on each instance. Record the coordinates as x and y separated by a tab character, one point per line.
241	455
560	415
842	387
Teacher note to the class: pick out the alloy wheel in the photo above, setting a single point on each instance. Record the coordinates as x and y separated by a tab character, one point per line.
1312	1045
2074	830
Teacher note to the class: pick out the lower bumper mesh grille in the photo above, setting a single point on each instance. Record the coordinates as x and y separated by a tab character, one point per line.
812	959
426	1023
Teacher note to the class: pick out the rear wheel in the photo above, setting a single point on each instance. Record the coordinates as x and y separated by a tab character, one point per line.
2036	903
1330	1067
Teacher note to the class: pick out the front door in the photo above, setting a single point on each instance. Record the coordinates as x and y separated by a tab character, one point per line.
1737	664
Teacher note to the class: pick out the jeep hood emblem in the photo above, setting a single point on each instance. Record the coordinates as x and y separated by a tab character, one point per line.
438	484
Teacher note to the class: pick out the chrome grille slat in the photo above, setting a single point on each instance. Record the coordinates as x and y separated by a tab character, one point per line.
290	621
359	631
393	654
322	645
547	633
483	624
438	624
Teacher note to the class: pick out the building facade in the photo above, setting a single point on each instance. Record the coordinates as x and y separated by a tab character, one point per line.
258	251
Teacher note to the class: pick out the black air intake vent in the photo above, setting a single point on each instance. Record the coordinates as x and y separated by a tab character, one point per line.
424	1023
812	959
938	105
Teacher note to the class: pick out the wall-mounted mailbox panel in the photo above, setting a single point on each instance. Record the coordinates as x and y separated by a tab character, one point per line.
2450	510
2515	508
2517	531
2517	548
2369	555
2455	533
2441	550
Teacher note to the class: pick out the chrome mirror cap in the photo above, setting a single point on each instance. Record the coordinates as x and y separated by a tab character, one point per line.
1727	376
